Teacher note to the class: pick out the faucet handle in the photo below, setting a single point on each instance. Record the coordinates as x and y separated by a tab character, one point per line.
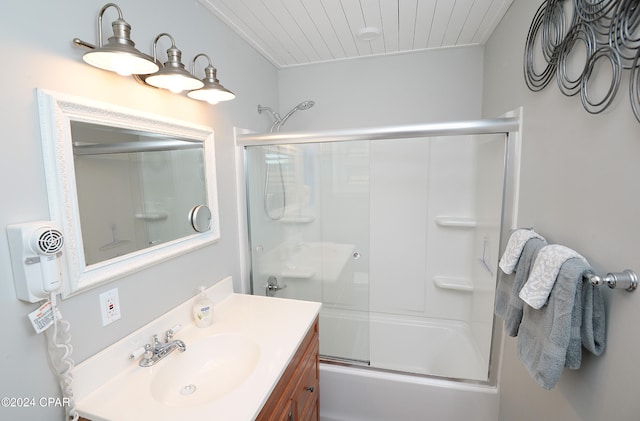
147	358
138	353
156	342
169	333
148	351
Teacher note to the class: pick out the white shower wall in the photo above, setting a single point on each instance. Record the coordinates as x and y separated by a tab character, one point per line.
412	183
429	213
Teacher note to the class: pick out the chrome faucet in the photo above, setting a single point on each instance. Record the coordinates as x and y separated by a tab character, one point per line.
158	350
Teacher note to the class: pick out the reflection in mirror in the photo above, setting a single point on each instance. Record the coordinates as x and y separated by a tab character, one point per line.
129	189
135	189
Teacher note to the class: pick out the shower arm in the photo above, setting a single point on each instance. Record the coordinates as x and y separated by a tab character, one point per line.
278	124
274	114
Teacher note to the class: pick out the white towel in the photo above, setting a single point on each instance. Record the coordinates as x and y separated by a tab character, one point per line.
512	252
544	273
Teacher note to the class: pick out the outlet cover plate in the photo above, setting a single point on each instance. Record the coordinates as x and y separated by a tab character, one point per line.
109	306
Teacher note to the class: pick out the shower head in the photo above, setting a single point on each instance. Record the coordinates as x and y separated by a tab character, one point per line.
304	105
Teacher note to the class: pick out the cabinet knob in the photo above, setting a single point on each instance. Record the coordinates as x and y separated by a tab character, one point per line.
309	388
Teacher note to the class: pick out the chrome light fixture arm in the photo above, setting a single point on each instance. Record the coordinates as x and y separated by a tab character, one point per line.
121	28
172	52
80	43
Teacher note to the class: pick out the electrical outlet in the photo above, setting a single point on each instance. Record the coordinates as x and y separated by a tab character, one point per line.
109	306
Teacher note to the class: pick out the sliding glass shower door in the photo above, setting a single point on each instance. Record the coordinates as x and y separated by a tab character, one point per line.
397	237
309	227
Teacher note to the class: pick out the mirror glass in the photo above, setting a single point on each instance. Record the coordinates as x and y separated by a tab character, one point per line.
128	189
135	189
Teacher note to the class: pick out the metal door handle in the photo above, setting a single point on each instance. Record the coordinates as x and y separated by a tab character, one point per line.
272	286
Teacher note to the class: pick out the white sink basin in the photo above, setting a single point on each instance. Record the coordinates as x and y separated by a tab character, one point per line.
226	373
206	371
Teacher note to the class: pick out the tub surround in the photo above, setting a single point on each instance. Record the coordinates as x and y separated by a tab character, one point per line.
351	393
126	395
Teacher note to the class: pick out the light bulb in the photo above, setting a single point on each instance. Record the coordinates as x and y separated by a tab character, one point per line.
175	88
121	65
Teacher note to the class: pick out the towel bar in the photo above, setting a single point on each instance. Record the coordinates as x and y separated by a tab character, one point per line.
626	279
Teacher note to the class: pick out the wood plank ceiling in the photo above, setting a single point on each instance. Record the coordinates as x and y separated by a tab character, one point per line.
295	32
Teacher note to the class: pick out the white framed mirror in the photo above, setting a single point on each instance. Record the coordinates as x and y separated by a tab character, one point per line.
129	189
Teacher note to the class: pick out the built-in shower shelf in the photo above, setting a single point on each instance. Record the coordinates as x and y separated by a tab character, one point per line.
456	222
298	273
153	216
302	219
457	284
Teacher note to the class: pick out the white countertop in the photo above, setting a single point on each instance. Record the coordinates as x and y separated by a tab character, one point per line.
109	386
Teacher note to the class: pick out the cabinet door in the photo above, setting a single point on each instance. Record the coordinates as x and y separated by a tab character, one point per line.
312	415
286	414
306	394
309	411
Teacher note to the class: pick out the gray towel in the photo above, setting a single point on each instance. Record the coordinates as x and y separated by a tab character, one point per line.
552	337
508	304
593	319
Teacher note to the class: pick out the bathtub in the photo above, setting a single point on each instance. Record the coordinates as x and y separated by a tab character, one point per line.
411	344
402	351
365	394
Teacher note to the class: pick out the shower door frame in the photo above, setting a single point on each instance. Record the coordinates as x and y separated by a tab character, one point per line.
510	125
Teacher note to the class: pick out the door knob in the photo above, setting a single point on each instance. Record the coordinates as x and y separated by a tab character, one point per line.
272	286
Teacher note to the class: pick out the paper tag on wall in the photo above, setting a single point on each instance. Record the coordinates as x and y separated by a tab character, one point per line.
42	318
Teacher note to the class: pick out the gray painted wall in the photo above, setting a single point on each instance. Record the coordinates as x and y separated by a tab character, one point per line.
579	187
432	86
38	37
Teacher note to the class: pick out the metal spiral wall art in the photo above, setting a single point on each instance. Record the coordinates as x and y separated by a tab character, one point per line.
607	30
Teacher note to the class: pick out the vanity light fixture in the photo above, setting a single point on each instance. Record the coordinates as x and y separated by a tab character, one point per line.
120	54
212	91
172	75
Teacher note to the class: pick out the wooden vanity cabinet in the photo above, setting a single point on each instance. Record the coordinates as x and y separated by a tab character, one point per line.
296	396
